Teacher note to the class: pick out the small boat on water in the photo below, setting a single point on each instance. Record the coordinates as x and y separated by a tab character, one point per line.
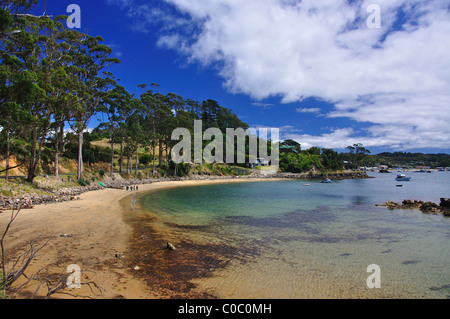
402	178
327	181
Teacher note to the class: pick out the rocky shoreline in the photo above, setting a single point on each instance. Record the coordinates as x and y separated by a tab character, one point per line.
425	207
321	176
28	201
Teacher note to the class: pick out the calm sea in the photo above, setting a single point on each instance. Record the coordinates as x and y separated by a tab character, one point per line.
288	239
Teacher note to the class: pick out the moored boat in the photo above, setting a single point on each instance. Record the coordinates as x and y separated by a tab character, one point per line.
402	178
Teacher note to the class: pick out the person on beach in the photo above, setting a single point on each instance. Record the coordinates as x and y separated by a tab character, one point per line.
127	188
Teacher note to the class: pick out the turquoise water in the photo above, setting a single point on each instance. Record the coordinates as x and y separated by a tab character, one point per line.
316	241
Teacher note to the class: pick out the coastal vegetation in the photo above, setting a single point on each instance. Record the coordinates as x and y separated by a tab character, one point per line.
55	82
408	160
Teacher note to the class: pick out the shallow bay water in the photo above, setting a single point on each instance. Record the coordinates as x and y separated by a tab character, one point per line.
304	239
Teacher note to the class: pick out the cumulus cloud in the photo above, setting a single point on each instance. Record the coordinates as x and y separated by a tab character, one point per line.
396	78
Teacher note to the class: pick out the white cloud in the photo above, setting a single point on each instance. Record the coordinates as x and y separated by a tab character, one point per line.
264	106
396	78
338	139
314	110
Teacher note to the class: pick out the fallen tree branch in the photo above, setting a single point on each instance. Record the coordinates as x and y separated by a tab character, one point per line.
14	269
21	164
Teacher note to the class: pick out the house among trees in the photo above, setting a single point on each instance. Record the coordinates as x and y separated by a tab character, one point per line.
290	146
288	149
260	162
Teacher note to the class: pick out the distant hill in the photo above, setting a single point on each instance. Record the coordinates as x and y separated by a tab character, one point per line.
408	159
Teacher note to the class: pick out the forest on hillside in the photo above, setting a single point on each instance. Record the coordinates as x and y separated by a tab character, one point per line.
55	82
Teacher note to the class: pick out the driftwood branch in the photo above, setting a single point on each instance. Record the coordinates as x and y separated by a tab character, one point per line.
14	215
14	268
59	284
21	264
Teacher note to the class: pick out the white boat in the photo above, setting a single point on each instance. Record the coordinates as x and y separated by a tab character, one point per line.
402	178
327	181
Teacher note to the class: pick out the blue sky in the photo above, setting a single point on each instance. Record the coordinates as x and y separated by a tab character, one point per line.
314	69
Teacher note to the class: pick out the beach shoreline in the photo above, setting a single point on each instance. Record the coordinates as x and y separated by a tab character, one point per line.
93	233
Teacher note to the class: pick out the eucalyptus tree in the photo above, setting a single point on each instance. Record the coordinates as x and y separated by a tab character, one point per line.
193	108
175	106
15	89
125	111
159	121
209	112
164	123
56	81
17	7
29	47
47	55
118	107
18	80
134	135
358	151
89	59
151	105
10	12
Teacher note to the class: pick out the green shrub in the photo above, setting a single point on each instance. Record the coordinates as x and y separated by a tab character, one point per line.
2	280
83	182
6	192
145	159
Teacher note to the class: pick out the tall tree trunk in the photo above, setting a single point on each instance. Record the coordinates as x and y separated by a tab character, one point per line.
160	153
7	154
121	154
154	148
59	147
32	166
80	155
112	154
62	148
131	164
36	153
137	160
56	169
168	151
154	158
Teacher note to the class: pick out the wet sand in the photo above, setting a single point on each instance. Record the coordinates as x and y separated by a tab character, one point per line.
105	237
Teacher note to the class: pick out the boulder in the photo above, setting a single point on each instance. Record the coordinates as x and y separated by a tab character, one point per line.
429	207
445	203
392	205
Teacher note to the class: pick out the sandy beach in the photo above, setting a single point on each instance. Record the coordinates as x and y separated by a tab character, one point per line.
92	233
